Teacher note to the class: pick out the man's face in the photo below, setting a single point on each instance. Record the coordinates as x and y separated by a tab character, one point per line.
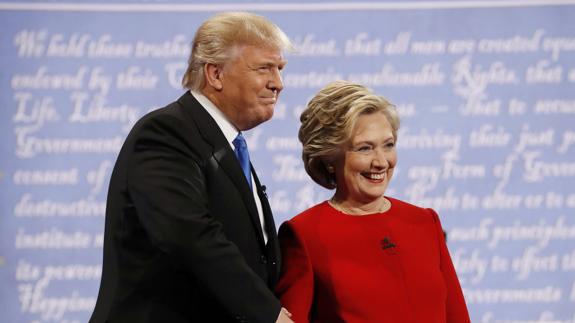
251	82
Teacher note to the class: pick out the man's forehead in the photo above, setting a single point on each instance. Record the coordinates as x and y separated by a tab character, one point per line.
264	51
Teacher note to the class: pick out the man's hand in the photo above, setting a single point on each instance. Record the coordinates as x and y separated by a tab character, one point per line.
284	316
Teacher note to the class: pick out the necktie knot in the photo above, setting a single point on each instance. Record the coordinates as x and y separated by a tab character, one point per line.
240	142
243	156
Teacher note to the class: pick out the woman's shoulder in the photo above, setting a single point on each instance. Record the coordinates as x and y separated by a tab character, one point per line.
411	210
303	226
311	213
310	216
403	204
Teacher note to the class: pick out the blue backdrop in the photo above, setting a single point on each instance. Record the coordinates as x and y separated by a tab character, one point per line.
485	90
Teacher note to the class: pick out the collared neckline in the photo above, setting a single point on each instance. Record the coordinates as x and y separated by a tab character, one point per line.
228	129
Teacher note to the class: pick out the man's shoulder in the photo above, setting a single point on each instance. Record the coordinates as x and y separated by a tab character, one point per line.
172	112
172	125
176	117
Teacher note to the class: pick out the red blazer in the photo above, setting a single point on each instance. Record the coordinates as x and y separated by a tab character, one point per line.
384	267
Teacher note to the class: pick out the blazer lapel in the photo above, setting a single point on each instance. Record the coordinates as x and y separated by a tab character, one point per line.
223	154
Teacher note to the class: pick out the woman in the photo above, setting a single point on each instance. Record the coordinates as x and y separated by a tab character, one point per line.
362	256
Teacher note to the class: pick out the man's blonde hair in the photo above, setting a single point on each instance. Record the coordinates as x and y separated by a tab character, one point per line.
218	36
328	121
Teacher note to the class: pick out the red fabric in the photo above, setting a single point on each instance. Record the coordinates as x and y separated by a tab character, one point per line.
338	268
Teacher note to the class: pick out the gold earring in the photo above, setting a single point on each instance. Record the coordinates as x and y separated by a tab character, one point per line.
330	169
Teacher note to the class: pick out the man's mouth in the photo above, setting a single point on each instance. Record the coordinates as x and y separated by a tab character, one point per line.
269	100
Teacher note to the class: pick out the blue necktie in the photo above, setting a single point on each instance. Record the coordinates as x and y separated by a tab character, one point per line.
243	156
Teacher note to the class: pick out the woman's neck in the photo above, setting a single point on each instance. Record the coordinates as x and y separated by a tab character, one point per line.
358	208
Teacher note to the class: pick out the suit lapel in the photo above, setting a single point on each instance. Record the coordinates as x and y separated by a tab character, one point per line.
273	250
223	154
268	216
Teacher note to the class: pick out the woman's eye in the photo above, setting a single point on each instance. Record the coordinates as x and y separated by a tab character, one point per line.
364	148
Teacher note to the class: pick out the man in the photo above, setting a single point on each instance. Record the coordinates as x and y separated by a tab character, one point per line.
189	232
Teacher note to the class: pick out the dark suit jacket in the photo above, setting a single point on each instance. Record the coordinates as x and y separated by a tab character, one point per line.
183	240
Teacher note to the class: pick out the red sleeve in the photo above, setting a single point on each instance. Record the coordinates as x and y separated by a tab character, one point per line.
456	310
295	287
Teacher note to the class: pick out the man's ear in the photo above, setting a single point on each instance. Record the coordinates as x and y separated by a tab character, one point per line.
213	74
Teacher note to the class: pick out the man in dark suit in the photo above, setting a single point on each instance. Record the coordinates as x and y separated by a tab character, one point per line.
189	232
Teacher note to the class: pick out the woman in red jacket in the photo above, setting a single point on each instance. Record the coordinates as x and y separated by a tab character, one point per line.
362	256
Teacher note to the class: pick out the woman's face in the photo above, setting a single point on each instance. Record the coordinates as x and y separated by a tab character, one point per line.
366	165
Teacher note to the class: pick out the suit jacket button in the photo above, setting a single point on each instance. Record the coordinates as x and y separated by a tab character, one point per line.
263	259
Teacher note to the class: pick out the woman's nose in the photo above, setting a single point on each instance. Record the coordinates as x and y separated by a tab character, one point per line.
379	160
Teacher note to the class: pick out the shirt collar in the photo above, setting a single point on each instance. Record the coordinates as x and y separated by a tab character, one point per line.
230	132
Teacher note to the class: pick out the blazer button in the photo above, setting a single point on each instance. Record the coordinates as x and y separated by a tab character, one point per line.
263	259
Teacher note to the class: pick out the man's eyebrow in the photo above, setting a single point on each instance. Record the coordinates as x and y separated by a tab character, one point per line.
280	64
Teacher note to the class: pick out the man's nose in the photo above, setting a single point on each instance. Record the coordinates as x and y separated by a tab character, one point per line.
276	82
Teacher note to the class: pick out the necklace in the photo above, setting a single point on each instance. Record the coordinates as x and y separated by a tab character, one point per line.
385	205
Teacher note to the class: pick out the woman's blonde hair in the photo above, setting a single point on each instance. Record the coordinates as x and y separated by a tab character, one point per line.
329	119
218	36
